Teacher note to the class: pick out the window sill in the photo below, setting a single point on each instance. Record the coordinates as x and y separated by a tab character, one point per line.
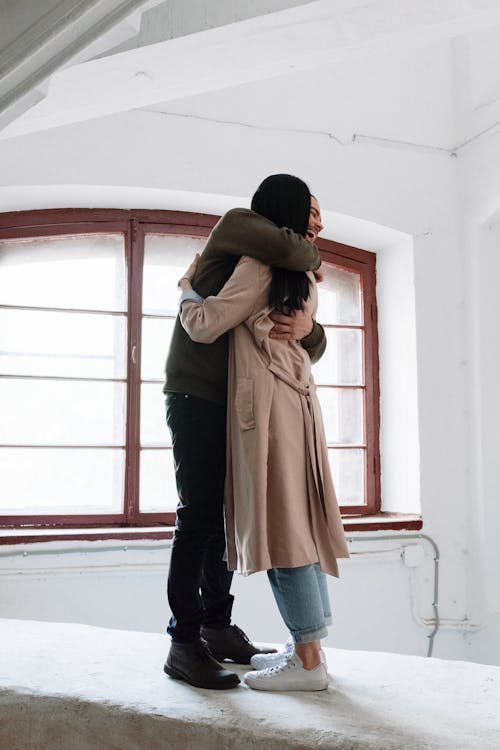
378	522
383	522
29	536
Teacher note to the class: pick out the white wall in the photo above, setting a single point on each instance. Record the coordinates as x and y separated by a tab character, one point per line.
438	304
123	585
480	199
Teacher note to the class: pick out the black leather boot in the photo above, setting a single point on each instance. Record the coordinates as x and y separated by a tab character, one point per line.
193	663
231	643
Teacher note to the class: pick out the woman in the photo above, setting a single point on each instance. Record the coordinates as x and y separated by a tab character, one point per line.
280	507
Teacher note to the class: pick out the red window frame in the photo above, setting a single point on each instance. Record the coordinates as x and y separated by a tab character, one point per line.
363	263
134	225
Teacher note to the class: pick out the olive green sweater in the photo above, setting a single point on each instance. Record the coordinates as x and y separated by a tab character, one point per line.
201	369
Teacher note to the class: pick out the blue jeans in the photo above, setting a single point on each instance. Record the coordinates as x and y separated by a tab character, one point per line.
302	598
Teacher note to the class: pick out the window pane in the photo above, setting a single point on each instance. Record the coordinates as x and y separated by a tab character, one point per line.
156	335
158	491
154	430
76	272
41	481
342	363
64	344
39	412
165	260
342	410
348	470
339	297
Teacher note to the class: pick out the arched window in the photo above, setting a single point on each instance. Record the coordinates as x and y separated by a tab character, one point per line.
87	303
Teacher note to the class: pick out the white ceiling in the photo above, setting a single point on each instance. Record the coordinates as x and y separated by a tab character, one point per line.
422	73
40	37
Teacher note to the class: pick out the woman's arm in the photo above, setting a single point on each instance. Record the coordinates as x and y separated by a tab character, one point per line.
205	320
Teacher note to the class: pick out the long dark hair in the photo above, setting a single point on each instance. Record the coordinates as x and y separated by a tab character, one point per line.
285	200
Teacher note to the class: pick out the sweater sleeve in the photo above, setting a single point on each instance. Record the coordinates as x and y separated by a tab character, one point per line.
205	321
315	342
244	232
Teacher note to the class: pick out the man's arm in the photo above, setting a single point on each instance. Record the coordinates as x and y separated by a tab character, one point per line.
315	342
244	232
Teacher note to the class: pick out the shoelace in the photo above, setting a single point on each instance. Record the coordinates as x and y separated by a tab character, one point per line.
240	634
288	663
287	650
204	653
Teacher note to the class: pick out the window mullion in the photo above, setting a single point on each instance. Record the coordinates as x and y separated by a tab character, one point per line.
372	394
134	248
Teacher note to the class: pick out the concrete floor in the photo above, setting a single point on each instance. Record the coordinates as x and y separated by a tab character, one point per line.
76	687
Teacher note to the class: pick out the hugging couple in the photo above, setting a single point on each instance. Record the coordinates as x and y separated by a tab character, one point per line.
251	461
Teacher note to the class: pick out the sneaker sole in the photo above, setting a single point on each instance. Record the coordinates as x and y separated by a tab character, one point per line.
309	689
176	675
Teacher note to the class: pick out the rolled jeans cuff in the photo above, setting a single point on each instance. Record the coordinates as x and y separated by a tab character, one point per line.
311	635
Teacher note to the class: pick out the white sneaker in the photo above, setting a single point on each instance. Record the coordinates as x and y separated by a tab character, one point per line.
265	661
289	675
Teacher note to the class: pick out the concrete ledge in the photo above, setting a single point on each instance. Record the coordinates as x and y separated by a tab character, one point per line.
76	687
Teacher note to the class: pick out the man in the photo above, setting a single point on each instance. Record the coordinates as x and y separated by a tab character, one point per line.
196	384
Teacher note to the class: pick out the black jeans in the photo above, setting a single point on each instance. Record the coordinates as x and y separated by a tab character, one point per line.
198	578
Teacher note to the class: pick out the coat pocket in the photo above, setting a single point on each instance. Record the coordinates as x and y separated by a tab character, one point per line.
243	403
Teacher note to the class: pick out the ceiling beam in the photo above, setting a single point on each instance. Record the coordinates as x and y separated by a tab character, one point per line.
37	38
296	39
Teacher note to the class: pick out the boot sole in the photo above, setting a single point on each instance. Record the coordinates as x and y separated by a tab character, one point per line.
221	657
176	675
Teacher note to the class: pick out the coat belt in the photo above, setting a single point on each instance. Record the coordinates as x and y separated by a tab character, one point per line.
311	432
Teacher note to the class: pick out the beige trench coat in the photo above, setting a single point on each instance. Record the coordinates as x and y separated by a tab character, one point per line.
280	504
